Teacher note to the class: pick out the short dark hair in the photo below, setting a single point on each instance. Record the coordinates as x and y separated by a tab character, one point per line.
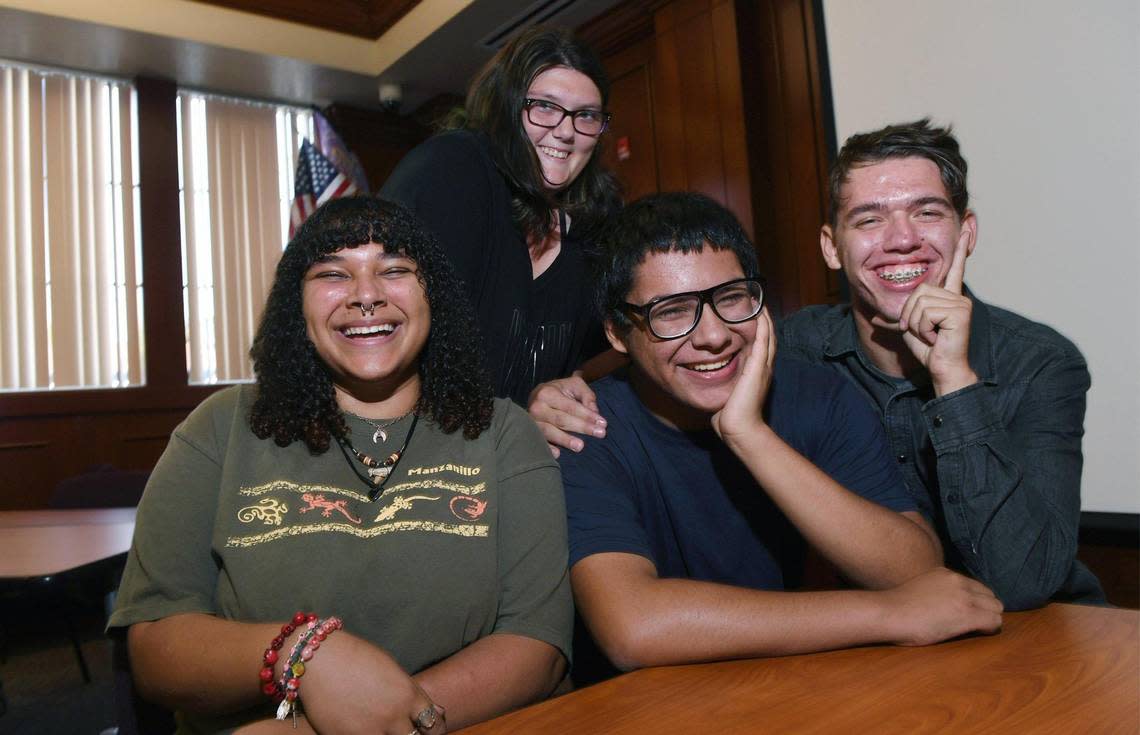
295	399
903	140
661	223
494	106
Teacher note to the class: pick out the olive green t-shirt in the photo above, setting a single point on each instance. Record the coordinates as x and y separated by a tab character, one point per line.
468	538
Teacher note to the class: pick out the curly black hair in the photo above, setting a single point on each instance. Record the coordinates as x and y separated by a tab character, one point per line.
295	396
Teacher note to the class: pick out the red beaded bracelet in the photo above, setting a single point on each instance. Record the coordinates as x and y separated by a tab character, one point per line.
269	687
294	668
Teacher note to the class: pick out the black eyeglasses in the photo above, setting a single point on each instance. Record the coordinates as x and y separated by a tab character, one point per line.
675	315
547	114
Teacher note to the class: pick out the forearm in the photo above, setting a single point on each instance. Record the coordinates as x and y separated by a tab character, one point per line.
1005	534
1011	497
872	545
200	663
676	621
491	676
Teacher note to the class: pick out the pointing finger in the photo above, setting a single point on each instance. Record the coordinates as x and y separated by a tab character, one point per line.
957	272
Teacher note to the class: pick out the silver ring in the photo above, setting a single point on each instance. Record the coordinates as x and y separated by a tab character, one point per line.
426	718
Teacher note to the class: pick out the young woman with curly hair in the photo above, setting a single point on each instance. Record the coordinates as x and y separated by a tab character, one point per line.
369	477
516	193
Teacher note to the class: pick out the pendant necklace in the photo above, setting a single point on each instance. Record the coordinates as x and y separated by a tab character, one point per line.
378	472
380	435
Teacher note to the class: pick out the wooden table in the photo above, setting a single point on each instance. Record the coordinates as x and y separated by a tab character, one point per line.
41	543
1062	669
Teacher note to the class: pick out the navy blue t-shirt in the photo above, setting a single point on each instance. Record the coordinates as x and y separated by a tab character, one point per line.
685	502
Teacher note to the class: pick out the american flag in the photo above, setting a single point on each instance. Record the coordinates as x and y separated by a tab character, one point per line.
316	182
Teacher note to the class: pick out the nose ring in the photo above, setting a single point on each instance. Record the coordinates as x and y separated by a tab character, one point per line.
367	311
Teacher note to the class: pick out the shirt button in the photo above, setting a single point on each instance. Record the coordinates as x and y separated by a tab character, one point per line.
952	498
937	422
901	458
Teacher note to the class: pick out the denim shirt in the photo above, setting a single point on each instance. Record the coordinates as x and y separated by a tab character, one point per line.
996	466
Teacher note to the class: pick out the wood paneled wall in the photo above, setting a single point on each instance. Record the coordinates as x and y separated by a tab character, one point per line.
677	102
724	97
787	146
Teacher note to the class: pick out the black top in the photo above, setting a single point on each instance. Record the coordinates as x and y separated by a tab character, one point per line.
534	329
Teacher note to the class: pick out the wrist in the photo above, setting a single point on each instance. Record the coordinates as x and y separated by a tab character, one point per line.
281	673
885	616
953	381
753	437
276	655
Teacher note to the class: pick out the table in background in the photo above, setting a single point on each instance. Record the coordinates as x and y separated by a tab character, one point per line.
1064	669
42	543
39	547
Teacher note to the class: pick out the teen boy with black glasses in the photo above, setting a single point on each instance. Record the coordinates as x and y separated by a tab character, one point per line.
688	521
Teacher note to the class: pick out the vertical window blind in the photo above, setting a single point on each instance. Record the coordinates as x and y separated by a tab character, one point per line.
236	164
70	264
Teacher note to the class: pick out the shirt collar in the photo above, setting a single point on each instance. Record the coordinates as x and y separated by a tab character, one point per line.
842	338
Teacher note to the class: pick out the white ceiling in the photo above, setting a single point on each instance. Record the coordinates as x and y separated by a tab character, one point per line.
443	62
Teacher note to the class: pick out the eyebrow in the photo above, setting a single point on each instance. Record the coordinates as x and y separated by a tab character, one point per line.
863	209
561	102
335	257
880	207
928	200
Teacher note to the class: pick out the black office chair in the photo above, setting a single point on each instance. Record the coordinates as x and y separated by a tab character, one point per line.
104	486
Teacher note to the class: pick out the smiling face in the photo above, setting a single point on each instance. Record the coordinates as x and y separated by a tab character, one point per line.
895	229
372	352
562	151
684	381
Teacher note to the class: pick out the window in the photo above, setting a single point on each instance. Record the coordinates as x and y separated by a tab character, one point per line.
70	264
236	164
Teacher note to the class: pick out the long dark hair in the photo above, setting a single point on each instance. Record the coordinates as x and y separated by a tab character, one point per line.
494	106
296	400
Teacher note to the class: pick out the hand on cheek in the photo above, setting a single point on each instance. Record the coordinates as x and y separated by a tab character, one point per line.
743	411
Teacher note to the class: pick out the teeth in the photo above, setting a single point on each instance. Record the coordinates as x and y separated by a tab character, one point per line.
553	152
374	329
906	274
709	366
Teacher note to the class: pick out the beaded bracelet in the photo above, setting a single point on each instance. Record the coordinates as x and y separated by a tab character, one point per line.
269	687
303	650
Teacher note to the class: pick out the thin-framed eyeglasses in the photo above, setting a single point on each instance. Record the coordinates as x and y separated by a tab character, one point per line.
675	315
547	114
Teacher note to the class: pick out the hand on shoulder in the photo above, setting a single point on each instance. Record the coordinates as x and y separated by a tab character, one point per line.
563	408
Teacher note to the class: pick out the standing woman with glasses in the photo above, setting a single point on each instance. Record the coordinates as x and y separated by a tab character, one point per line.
515	193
